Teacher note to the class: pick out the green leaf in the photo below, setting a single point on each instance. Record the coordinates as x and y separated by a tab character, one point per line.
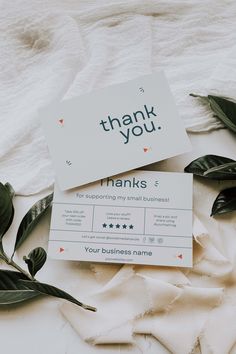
6	209
226	171
31	219
224	109
10	297
10	190
53	291
12	291
35	260
213	167
225	202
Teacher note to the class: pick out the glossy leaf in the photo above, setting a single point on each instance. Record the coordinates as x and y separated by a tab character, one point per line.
6	209
31	219
225	202
10	297
224	109
35	260
53	291
213	167
10	189
12	291
223	172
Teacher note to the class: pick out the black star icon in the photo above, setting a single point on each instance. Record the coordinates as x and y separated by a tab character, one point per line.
124	226
117	226
104	225
111	226
131	226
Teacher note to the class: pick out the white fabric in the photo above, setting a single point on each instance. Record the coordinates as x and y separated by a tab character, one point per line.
55	49
160	301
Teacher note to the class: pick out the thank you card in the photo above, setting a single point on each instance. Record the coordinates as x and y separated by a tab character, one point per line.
113	130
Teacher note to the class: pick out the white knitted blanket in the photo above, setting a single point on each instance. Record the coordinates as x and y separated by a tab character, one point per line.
55	49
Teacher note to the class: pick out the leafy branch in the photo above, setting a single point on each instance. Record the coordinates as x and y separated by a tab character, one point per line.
20	285
218	167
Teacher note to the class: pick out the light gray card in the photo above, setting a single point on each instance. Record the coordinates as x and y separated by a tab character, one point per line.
113	130
140	217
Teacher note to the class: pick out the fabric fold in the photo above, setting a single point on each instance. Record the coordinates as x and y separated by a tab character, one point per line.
126	297
176	306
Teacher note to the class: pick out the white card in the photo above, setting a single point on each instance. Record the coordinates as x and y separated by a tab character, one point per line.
142	217
113	130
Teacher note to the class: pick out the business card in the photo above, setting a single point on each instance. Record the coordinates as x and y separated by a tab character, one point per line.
113	130
141	217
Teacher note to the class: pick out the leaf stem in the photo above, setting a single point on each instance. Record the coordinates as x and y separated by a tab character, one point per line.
16	266
10	262
90	308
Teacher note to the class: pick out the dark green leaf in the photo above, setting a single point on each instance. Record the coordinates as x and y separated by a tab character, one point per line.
10	297
31	219
224	109
213	167
35	260
10	189
6	209
12	291
10	220
53	291
225	202
223	172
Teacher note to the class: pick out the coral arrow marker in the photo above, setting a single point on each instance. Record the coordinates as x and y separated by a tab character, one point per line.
180	256
61	249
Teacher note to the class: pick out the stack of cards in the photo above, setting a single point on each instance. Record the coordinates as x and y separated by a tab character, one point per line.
140	217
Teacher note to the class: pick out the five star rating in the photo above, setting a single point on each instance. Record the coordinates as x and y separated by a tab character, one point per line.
117	226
